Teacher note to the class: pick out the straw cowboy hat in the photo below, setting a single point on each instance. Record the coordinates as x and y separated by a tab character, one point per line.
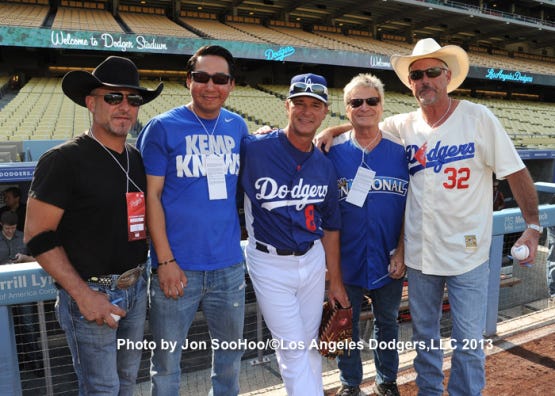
114	72
453	56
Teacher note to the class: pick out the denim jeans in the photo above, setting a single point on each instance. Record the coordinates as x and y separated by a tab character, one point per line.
101	367
385	307
468	300
221	294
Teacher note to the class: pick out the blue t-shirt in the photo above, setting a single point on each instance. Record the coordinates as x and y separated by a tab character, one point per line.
203	234
370	233
290	196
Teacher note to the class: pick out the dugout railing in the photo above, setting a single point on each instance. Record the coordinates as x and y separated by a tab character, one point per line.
22	284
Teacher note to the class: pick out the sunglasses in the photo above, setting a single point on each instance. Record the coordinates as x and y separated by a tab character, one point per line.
372	101
115	98
217	78
318	89
432	72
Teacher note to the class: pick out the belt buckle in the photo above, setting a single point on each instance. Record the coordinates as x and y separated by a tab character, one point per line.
129	277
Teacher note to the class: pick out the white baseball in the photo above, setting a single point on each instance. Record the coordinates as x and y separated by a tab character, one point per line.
520	252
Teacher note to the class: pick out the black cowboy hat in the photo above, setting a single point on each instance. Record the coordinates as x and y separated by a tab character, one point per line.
114	72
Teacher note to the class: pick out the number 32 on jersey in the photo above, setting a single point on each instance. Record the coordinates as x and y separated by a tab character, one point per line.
456	178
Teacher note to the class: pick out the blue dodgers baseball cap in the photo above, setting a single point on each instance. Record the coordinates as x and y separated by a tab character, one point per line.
309	85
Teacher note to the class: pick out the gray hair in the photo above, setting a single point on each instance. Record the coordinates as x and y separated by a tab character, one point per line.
363	80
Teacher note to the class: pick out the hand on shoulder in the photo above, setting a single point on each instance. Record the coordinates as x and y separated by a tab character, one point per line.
264	130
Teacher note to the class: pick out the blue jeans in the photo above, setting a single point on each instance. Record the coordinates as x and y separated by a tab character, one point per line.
468	300
221	294
385	307
101	367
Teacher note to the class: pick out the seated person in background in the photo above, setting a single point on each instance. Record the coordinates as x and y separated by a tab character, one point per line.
12	198
13	249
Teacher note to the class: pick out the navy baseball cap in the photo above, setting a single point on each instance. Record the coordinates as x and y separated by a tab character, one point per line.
309	85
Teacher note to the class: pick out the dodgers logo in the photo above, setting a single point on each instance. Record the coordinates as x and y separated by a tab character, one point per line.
299	195
420	158
280	54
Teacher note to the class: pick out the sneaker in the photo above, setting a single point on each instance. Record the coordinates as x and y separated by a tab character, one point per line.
347	390
386	389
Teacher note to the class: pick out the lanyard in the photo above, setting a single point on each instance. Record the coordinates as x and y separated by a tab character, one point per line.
202	123
363	149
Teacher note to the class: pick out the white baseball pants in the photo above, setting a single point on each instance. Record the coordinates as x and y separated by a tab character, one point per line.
290	293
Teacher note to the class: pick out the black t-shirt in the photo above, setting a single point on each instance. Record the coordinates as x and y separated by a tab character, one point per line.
81	178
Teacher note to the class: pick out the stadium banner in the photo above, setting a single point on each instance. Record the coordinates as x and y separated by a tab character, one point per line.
510	76
25	283
143	43
16	171
536	154
510	220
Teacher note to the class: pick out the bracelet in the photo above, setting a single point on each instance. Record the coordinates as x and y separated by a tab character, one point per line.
167	262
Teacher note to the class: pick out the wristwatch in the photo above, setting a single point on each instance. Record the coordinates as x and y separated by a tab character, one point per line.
535	227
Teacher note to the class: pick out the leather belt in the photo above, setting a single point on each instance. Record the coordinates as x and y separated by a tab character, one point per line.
283	252
123	281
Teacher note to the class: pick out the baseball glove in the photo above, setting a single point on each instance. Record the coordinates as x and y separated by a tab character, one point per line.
336	330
